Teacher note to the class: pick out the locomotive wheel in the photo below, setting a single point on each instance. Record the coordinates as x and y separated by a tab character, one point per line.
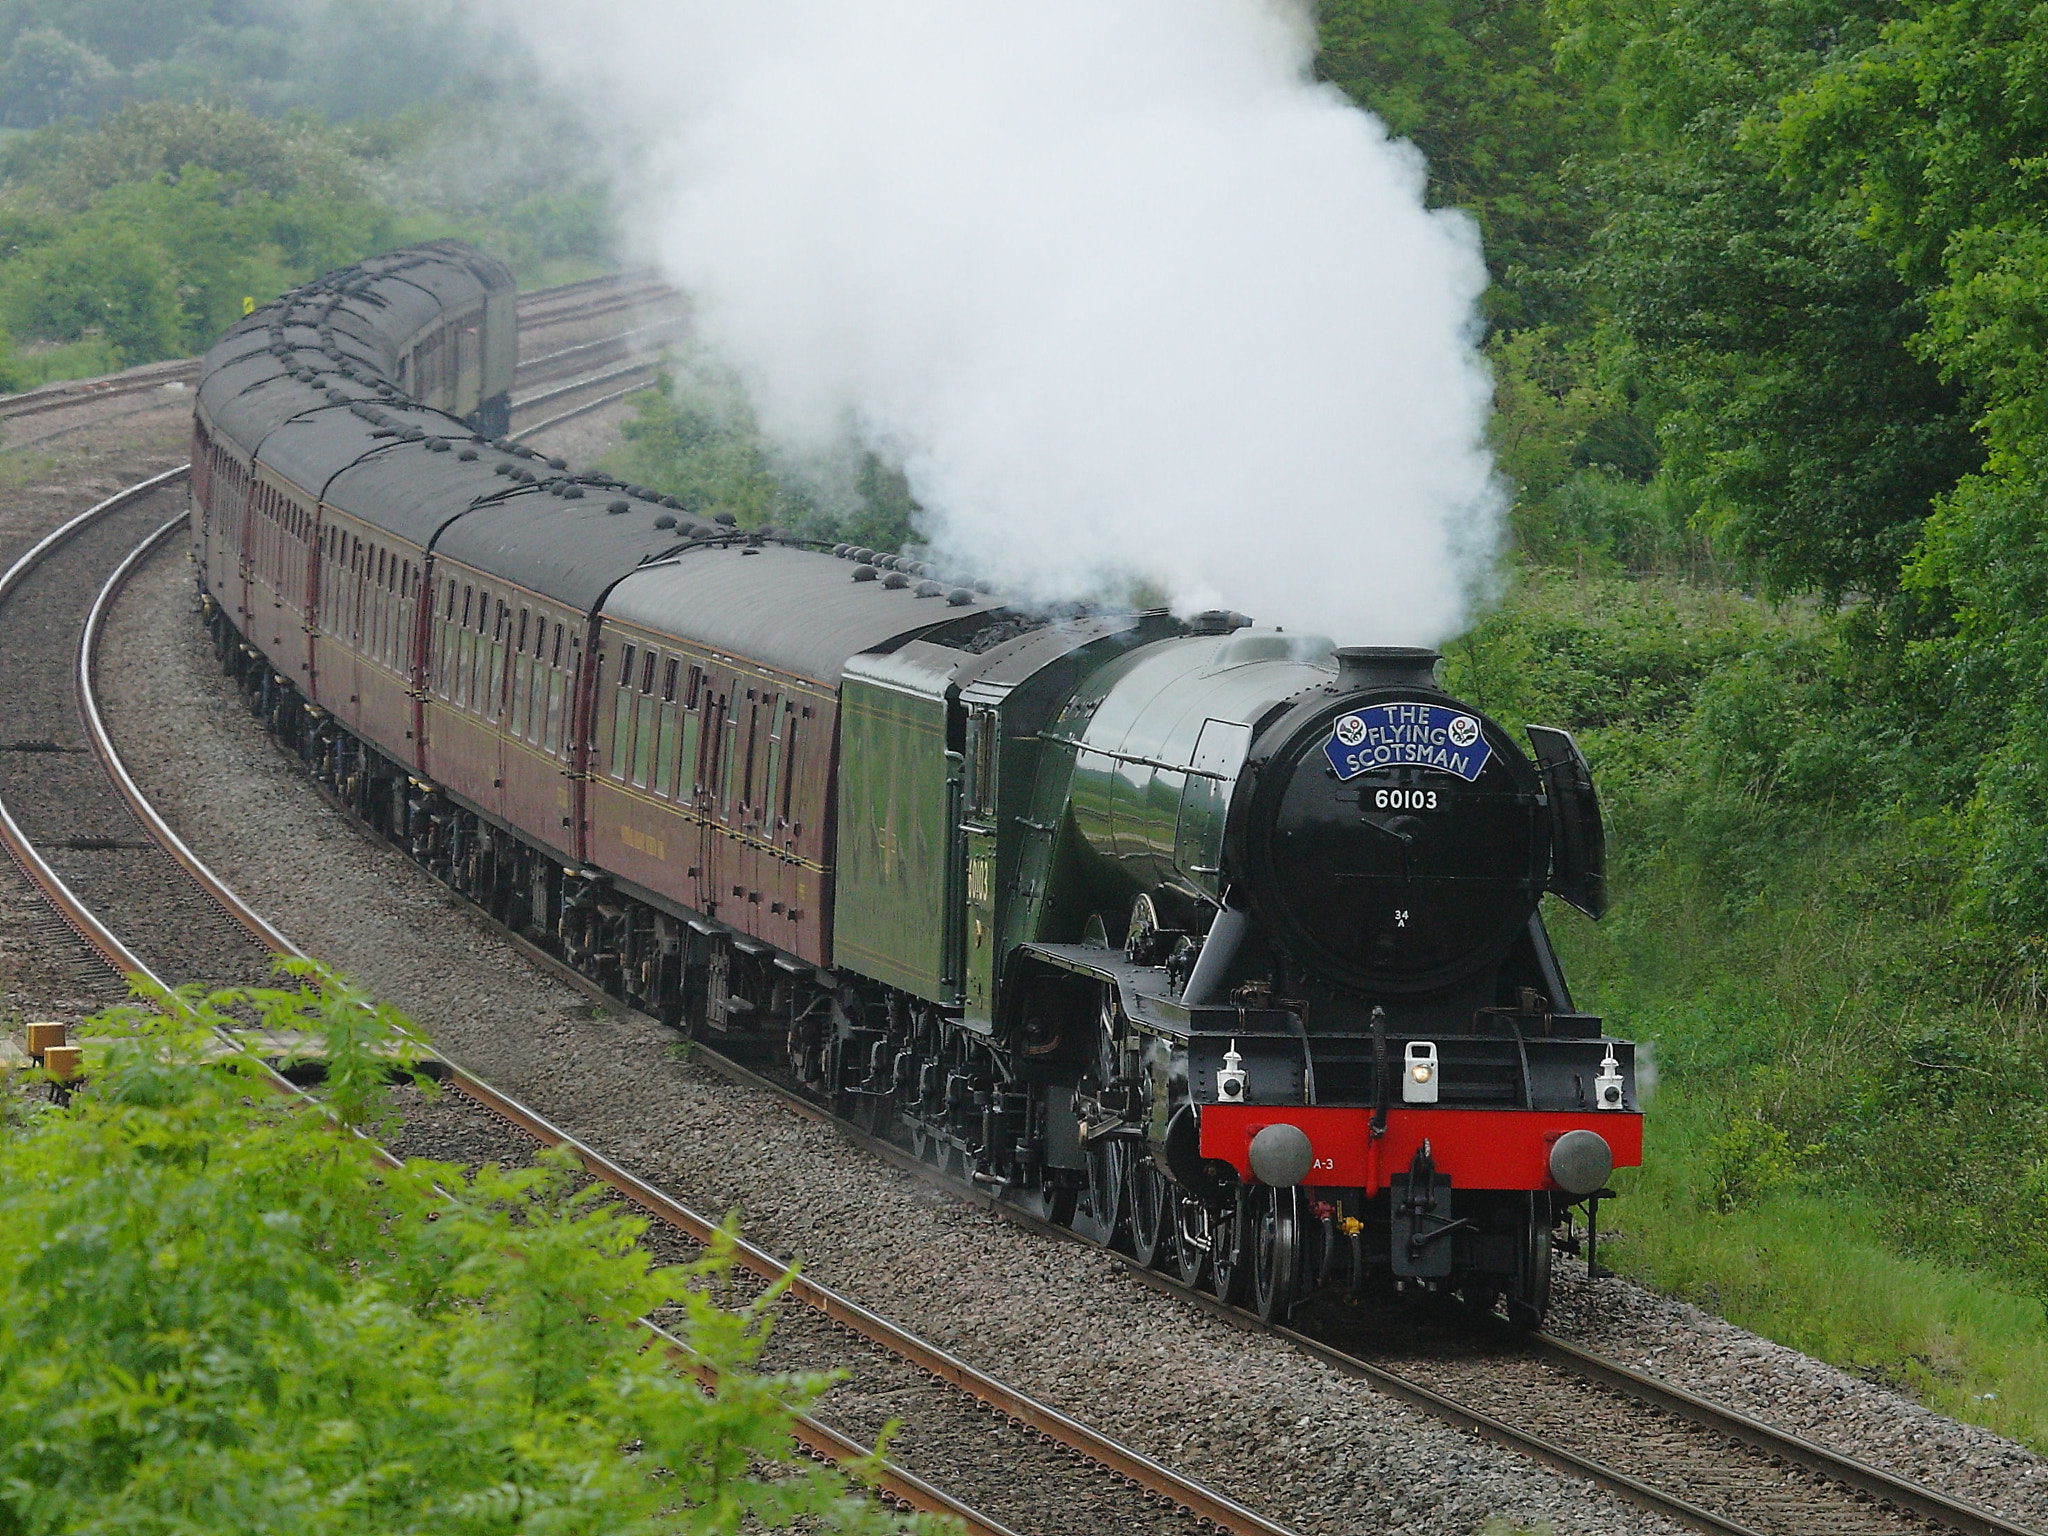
1193	1255
1103	1208
1230	1263
1155	1221
1276	1253
1106	1204
1529	1297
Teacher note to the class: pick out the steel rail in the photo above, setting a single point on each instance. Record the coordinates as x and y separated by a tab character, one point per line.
634	298
577	386
56	397
585	284
641	277
570	415
548	364
1929	1504
87	678
828	1444
1131	1465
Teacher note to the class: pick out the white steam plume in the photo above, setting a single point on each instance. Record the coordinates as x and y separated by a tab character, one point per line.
1121	288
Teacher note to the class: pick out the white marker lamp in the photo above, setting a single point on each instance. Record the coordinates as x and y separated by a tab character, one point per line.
1420	1073
1230	1080
1607	1091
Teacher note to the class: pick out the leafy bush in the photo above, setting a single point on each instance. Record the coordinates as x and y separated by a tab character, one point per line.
221	1311
1744	1163
95	281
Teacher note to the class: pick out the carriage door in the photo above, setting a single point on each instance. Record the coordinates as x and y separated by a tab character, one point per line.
978	832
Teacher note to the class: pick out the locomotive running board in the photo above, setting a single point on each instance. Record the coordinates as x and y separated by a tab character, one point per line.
1146	1003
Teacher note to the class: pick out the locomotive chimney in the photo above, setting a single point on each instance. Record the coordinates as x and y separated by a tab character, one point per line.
1360	667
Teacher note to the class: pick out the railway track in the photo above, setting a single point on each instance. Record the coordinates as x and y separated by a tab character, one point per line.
1034	1468
592	299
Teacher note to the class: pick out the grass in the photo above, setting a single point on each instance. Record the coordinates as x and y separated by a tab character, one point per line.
1820	1273
45	363
1848	1142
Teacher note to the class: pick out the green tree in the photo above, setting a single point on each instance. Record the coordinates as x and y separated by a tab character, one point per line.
1768	333
1933	140
1473	84
47	75
693	436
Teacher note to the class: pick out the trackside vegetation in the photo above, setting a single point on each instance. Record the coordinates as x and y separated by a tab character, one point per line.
221	1310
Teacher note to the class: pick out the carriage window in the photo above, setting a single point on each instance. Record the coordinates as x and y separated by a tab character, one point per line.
553	739
690	750
728	749
665	753
644	723
522	676
501	626
622	716
465	650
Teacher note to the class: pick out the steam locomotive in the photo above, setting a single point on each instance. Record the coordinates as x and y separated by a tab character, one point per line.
1214	942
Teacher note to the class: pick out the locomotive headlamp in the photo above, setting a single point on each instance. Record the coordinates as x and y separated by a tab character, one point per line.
1419	1079
1607	1086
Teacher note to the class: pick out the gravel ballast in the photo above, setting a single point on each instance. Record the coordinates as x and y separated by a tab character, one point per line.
53	466
1247	1415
